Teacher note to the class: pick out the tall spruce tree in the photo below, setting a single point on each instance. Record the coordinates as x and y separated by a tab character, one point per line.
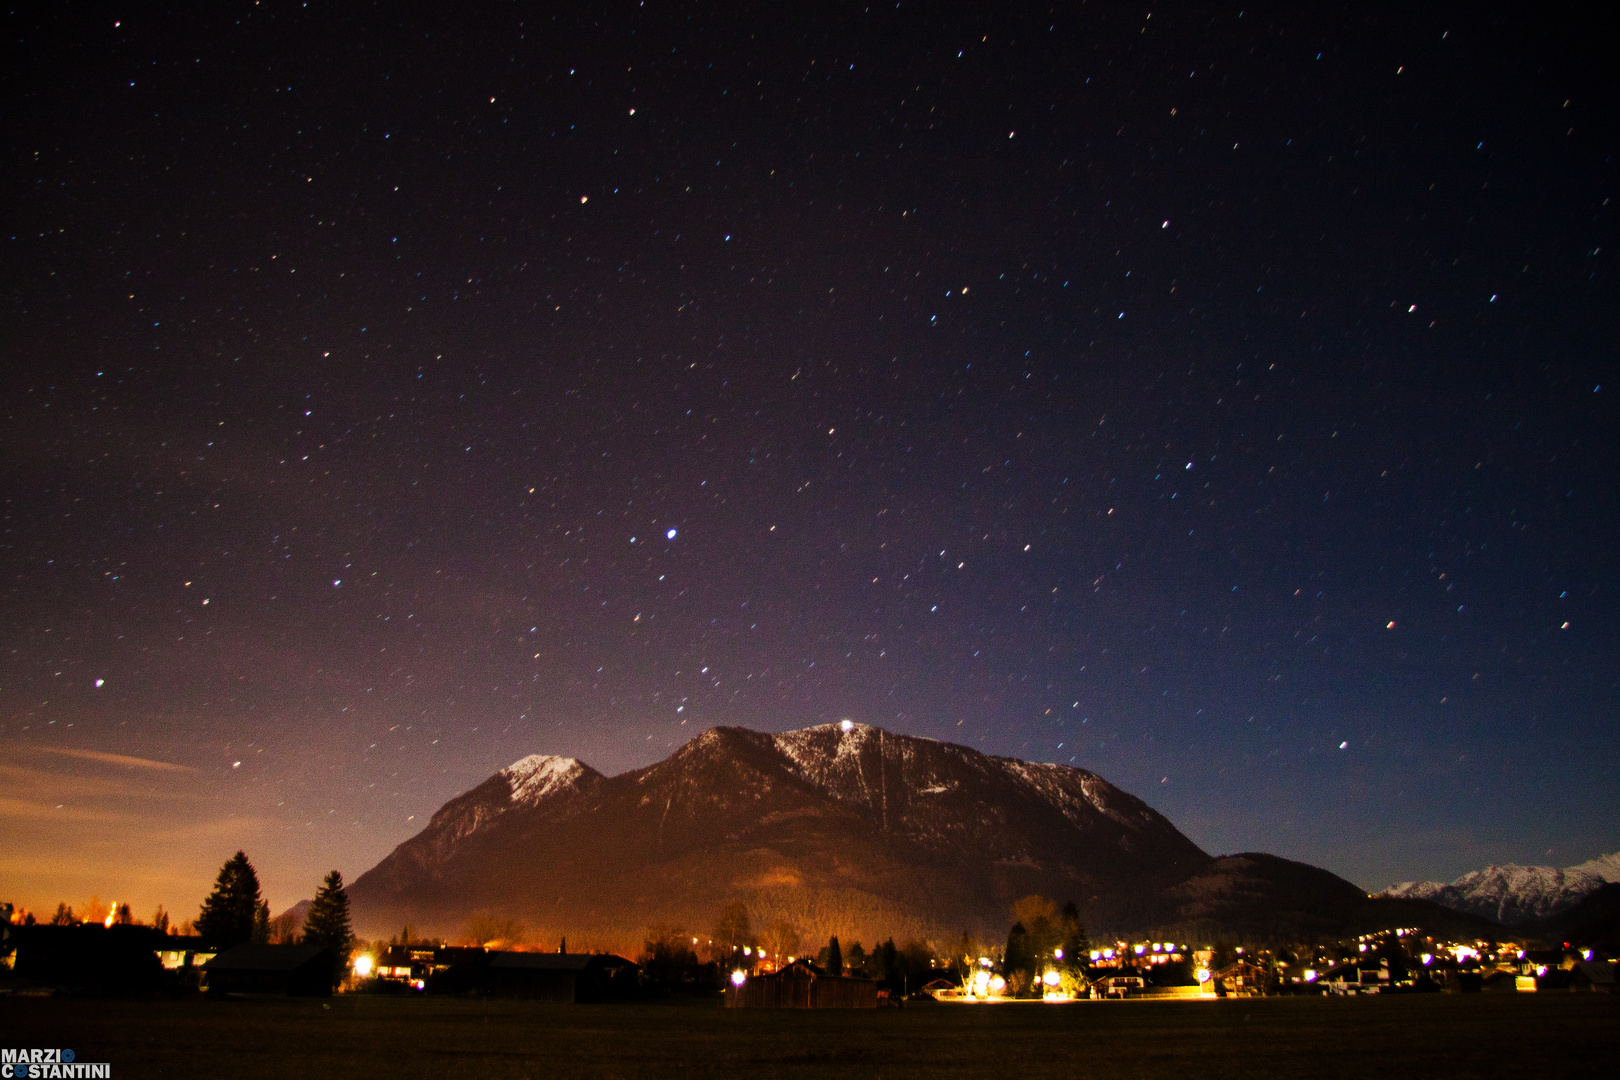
230	914
327	924
1018	962
1075	943
835	956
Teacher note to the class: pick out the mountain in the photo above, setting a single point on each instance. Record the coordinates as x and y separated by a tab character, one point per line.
849	830
1259	897
1514	894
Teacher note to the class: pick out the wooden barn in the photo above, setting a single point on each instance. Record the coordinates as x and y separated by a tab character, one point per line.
802	986
294	970
578	977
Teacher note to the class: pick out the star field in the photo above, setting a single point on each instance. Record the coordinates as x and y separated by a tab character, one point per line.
1216	402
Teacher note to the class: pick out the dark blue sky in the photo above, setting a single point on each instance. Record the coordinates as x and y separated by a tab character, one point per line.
1216	402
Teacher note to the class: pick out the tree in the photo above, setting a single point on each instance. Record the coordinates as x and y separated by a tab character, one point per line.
1076	946
261	923
284	928
668	958
855	958
122	916
230	913
160	920
733	931
1018	963
327	924
781	941
833	958
64	915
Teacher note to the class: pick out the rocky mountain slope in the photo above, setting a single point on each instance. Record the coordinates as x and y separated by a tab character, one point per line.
855	831
1514	894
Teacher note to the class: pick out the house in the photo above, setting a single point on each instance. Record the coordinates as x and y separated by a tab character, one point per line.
89	958
1242	979
1118	986
576	977
293	970
1592	975
1363	975
801	985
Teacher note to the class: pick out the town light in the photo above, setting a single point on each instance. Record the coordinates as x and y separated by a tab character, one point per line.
1310	975
1095	955
362	966
1057	953
981	982
1203	976
739	977
1140	949
998	984
1428	958
1051	978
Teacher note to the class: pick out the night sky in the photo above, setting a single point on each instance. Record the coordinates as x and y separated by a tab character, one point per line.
1215	401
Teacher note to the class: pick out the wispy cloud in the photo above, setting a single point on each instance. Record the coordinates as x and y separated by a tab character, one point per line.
112	759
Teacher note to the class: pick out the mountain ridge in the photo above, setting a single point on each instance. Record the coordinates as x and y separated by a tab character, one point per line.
1512	894
839	829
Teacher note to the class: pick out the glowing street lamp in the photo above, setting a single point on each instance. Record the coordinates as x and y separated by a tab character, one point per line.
739	977
1203	976
362	966
1051	978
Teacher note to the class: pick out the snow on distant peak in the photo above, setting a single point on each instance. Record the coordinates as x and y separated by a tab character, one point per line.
538	775
1511	893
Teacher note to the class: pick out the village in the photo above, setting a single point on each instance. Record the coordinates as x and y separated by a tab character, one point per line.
234	948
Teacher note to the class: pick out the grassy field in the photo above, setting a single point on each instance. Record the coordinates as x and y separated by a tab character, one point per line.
1441	1035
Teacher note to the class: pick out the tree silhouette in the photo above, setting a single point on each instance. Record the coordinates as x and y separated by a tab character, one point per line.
733	931
835	957
1018	962
1076	946
327	924
230	912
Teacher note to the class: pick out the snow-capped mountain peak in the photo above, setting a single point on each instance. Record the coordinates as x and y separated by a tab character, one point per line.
539	775
1512	893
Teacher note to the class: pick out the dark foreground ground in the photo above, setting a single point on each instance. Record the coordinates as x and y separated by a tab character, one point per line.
1441	1035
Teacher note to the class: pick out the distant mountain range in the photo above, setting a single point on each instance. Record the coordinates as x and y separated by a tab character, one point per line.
1514	894
849	830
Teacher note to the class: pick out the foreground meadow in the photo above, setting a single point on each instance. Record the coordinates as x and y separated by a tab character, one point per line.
1478	1035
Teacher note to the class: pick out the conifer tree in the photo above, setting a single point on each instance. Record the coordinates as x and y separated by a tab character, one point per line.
1075	943
1018	962
230	912
835	956
327	924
